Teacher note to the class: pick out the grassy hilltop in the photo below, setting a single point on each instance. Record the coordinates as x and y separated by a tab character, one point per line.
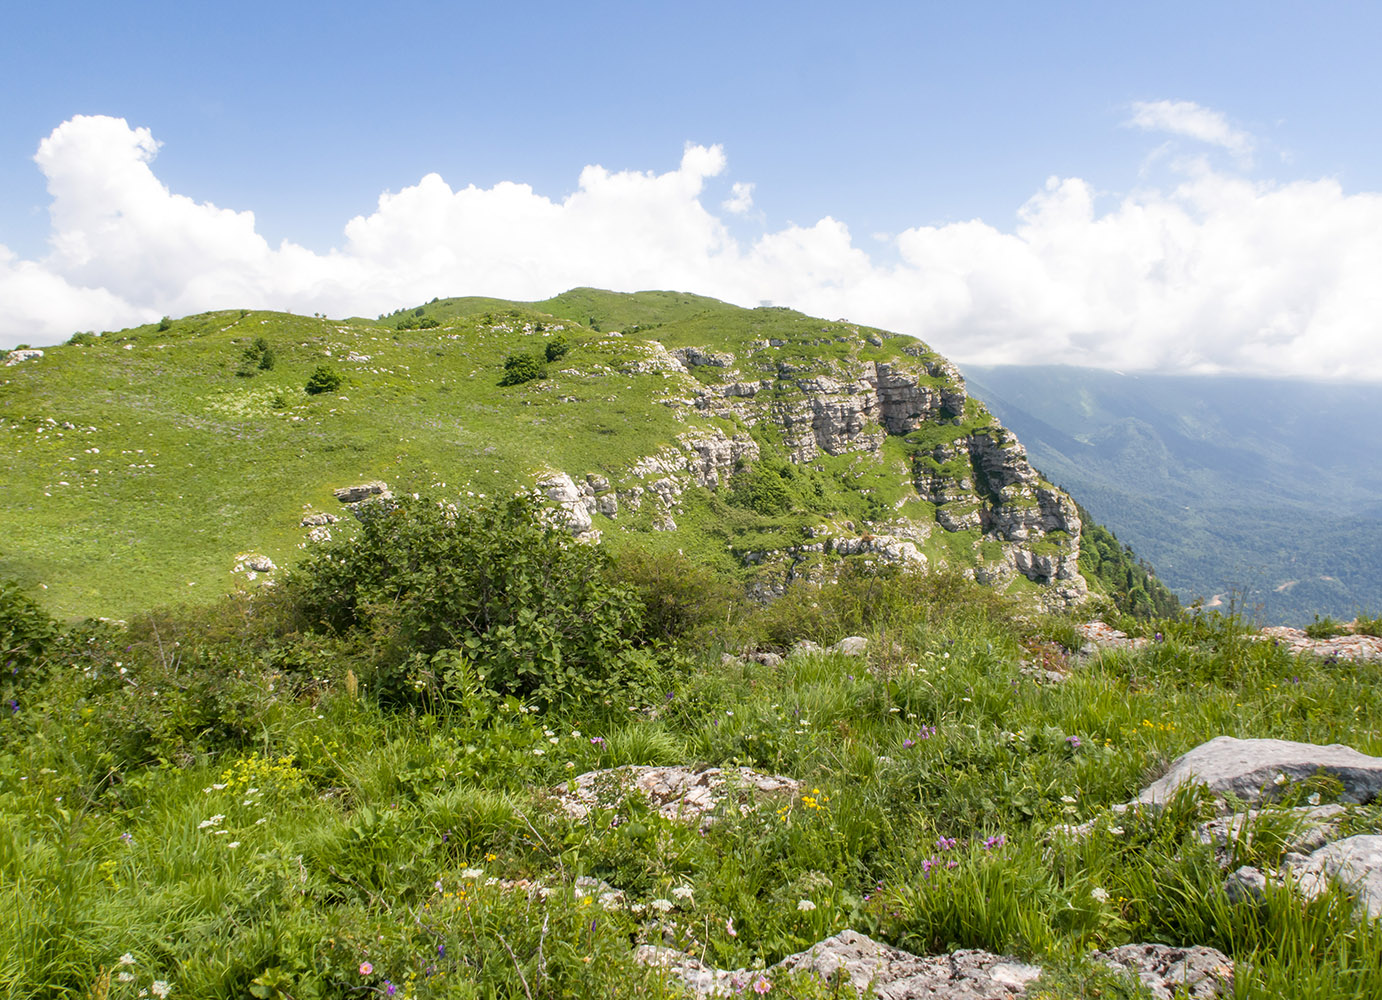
356	782
139	464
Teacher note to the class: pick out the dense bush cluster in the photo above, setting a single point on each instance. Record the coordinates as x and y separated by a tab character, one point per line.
496	586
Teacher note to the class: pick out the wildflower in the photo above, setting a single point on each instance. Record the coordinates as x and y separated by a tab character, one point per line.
598	741
683	892
127	837
729	927
126	977
661	905
160	988
126	959
908	744
1280	778
1116	831
390	988
1099	893
472	873
1068	799
805	905
233	844
539	752
441	951
1074	742
761	985
366	969
996	841
946	843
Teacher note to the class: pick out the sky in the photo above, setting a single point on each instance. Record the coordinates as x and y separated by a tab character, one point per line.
1174	187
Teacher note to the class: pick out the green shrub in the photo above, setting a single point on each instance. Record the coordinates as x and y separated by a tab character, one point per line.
26	635
502	587
520	368
680	598
1364	625
1324	628
164	324
323	379
556	348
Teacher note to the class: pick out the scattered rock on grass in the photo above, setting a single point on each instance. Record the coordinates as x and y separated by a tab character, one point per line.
1199	973
680	793
376	489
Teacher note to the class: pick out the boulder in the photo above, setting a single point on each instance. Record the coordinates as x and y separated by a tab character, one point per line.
679	793
893	974
1308	827
1355	862
317	520
254	562
26	354
1253	770
364	491
574	506
853	645
1197	972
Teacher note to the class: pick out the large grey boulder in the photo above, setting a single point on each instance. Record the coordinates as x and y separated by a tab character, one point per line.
1166	971
681	793
1255	770
1355	862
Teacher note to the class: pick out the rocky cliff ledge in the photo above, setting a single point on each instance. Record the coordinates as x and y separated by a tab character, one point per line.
890	404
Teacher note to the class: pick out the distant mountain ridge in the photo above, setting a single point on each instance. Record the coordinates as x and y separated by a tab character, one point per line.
1267	491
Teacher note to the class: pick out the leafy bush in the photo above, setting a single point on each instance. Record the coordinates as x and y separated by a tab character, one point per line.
164	324
680	598
1364	625
520	368
323	379
26	634
761	489
1324	628
414	323
507	591
556	348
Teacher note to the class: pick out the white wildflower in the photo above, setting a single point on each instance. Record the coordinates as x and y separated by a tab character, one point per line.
682	892
472	873
662	905
1099	893
805	905
126	959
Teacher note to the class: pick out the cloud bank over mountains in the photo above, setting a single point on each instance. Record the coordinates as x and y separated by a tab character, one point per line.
1214	273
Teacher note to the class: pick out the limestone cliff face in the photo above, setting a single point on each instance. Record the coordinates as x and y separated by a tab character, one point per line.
968	473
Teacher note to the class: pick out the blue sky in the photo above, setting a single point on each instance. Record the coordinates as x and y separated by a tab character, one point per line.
886	120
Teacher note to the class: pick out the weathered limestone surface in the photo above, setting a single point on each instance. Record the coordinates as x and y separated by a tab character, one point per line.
682	793
892	974
1253	770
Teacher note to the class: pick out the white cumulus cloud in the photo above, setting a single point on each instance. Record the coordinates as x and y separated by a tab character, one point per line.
740	198
1214	273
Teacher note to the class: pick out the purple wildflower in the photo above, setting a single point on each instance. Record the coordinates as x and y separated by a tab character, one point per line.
1074	742
996	841
907	744
945	843
598	741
